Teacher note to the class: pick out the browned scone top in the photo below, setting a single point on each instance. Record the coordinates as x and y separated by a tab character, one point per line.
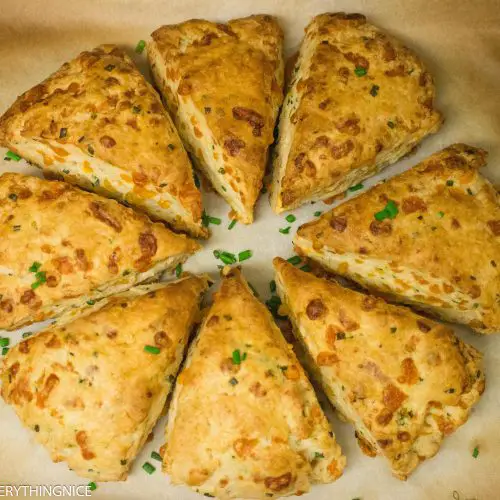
404	381
61	247
90	390
244	421
439	252
222	84
358	101
99	124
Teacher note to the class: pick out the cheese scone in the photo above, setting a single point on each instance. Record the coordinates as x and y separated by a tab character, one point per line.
244	420
99	124
429	237
93	389
61	247
404	381
222	84
358	101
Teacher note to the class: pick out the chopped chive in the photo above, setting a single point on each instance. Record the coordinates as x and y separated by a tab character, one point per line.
216	254
233	381
171	147
196	181
221	170
41	278
5	350
318	455
305	268
318	213
232	224
272	286
12	156
294	260
152	349
156	456
357	187
139	48
389	212
285	230
393	329
450	182
236	357
214	220
109	67
475	452
27	334
374	90
254	291
359	71
206	220
245	255
440	214
148	467
35	267
91	302
291	218
227	258
136	110
178	270
4	341
13	196
92	486
273	305
66	171
391	124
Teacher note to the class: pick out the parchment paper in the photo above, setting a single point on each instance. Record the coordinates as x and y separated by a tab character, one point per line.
459	41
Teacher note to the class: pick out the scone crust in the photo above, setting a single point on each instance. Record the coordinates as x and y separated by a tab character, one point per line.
98	123
248	430
441	251
358	101
409	380
89	390
222	84
76	245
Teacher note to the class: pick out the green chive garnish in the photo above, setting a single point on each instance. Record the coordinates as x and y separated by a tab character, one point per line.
318	213
178	270
152	349
272	286
148	467
232	224
236	357
221	170
171	147
92	486
233	381
136	110
450	182
206	219
12	156
109	67
196	181
5	350
4	341
294	260
357	187
285	230
227	258
291	218
156	456
41	278
35	267
318	455
374	90
27	334
139	48
245	255
391	124
440	214
91	302
216	254
305	268
359	71
214	220
475	452
389	212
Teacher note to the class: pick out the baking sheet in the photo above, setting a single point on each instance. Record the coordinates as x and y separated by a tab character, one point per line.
459	41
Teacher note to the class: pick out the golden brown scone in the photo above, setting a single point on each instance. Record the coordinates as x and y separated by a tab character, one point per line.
99	124
61	247
222	84
404	381
91	389
439	252
244	420
358	101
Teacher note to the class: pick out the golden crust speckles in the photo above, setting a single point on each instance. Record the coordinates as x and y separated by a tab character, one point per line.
244	420
440	252
404	381
223	85
99	124
89	389
61	247
358	101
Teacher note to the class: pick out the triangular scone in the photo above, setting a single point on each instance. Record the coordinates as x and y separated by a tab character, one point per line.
428	237
61	247
358	101
244	420
404	381
99	124
222	84
93	389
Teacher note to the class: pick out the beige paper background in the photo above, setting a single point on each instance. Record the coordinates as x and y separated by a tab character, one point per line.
460	42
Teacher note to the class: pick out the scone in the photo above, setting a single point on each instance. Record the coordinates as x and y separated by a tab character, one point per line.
93	389
61	247
404	381
244	420
97	123
358	101
222	84
429	237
